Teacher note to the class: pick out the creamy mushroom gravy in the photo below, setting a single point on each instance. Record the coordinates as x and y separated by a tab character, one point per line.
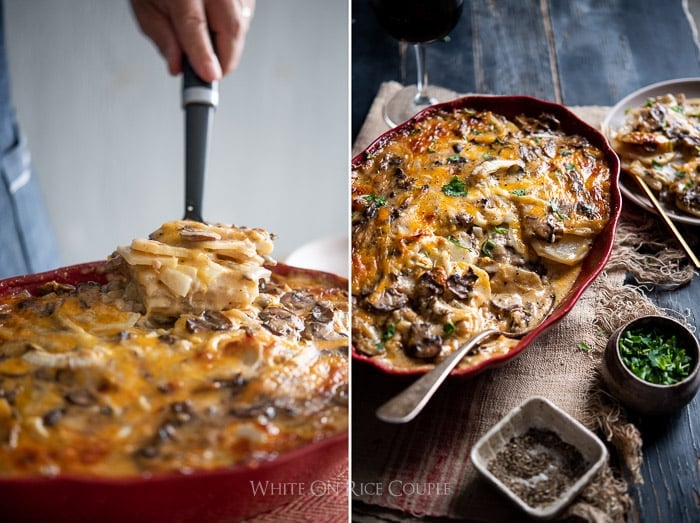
468	220
90	384
660	142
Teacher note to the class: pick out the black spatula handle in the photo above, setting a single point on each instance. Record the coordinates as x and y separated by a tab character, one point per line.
199	99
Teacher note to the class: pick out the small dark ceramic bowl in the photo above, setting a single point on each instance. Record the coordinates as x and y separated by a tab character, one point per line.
642	396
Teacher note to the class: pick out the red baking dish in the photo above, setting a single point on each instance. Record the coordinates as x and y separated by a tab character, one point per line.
221	495
511	106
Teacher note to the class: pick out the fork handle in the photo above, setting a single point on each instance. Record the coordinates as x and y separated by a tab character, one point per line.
406	405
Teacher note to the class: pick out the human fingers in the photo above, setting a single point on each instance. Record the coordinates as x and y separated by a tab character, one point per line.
154	21
189	20
229	21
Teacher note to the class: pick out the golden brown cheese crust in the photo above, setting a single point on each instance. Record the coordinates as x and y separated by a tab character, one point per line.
88	385
465	221
660	142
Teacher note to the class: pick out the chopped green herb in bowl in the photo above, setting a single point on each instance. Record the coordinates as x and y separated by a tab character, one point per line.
652	365
654	356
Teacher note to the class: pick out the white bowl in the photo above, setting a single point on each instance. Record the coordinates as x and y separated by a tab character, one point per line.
540	413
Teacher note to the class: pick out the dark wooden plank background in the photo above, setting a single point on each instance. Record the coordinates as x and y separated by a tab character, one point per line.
584	52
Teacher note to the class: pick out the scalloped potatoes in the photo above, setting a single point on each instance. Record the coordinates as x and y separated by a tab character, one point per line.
468	220
223	374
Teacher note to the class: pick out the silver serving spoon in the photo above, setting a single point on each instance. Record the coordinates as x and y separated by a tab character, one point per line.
199	100
406	405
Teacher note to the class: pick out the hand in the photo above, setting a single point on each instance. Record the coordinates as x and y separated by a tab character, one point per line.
183	26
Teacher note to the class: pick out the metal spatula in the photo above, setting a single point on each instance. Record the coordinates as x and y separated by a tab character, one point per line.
199	99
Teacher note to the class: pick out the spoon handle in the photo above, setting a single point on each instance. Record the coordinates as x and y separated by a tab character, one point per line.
406	405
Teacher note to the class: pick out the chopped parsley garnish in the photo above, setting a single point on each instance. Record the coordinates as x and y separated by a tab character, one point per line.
677	108
499	229
379	201
554	207
649	103
584	346
680	174
656	164
455	188
654	356
487	247
455	241
454	158
570	167
388	333
470	111
487	156
519	192
368	156
449	328
565	152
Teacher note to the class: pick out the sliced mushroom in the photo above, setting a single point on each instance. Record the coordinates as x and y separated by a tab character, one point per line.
198	235
297	301
208	321
80	397
266	409
423	343
547	229
491	167
461	285
37	306
387	300
429	285
316	330
322	313
53	416
55	287
234	383
280	321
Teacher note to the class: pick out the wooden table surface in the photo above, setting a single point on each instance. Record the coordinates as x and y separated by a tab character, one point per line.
584	52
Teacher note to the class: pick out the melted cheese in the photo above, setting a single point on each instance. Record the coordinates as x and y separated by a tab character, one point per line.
188	266
91	385
465	221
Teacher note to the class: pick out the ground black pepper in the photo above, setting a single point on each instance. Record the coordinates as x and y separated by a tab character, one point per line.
538	466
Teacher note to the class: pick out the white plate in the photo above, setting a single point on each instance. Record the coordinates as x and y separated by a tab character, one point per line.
327	254
616	117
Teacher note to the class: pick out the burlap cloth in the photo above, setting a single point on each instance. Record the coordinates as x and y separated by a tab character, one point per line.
423	468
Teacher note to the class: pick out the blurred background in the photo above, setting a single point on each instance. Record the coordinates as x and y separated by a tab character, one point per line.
105	128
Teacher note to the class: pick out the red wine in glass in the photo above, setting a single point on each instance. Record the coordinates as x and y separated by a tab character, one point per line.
417	22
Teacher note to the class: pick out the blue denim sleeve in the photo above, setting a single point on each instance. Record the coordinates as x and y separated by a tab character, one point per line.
27	242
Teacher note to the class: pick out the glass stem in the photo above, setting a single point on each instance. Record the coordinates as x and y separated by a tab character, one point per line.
421	97
403	46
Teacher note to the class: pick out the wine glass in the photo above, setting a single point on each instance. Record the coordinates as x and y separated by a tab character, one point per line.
417	22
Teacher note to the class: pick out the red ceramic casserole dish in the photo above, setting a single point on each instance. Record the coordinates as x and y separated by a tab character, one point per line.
211	496
511	107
